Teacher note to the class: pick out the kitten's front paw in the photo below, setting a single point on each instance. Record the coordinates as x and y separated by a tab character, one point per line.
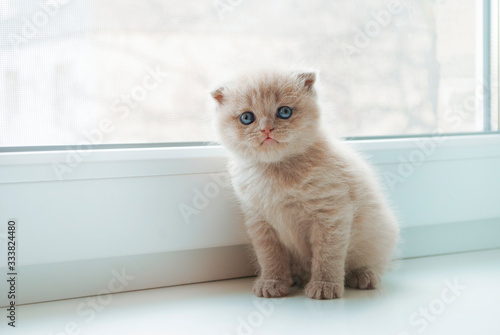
362	278
324	290
271	288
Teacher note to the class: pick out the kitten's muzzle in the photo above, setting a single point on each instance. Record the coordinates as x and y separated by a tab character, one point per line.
267	130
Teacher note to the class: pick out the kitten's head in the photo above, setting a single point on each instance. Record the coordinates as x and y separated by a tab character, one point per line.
269	116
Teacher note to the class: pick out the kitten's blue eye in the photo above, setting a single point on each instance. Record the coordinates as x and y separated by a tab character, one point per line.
284	112
247	118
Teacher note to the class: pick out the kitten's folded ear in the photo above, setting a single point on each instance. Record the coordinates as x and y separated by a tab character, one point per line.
307	78
218	94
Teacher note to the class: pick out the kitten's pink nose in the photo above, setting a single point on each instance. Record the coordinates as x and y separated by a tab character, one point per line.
267	130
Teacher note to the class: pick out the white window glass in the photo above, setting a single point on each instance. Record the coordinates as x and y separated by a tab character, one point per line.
124	71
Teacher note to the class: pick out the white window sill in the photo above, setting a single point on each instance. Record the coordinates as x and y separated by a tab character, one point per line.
413	296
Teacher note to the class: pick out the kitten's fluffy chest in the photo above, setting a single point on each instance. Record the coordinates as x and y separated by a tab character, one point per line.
284	194
268	190
289	184
276	198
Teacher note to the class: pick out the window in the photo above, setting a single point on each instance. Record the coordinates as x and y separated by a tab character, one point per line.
109	71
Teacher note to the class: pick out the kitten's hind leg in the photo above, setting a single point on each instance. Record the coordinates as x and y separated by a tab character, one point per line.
362	278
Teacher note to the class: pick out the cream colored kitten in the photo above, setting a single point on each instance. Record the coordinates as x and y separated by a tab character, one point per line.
314	210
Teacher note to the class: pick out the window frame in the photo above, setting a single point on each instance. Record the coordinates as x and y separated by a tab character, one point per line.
51	164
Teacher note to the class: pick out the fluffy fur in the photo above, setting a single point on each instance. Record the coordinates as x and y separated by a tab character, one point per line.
314	211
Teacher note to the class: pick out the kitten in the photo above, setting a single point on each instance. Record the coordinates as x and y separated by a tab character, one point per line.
314	211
